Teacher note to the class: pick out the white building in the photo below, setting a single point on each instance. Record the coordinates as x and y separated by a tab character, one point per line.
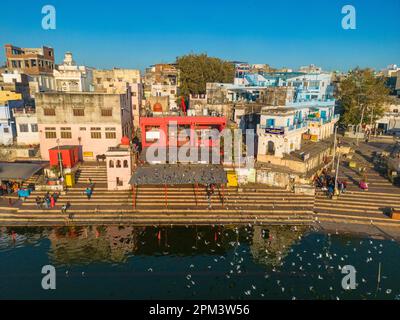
391	118
312	86
280	130
7	121
70	77
26	126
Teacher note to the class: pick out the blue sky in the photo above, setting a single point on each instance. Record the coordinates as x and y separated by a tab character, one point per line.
135	34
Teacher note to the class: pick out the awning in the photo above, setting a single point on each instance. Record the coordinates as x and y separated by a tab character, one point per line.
175	174
18	171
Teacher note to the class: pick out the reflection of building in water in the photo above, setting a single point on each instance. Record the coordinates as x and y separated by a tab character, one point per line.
271	243
20	236
82	245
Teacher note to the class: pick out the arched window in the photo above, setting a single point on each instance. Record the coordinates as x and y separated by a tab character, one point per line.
118	163
125	163
111	164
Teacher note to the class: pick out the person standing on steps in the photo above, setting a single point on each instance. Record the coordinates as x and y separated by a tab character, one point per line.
88	192
52	201
91	184
65	207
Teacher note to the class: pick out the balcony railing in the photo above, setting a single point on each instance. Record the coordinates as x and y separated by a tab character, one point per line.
283	130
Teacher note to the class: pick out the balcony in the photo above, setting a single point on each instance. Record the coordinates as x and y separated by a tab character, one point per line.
283	130
21	111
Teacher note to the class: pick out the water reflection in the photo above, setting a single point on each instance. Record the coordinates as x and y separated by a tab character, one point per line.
206	262
271	244
115	244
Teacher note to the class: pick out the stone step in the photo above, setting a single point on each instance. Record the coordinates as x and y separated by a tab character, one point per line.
325	209
375	203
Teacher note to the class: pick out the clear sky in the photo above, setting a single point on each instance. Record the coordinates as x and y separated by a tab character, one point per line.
135	34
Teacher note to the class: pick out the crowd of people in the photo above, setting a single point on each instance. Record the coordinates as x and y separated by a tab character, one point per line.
326	183
9	187
48	201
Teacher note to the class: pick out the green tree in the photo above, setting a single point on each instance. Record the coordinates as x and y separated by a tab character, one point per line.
362	96
198	69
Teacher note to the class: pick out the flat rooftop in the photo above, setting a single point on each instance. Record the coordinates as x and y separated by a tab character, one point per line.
176	174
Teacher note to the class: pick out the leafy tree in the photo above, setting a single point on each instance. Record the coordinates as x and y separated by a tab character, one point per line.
198	69
362	96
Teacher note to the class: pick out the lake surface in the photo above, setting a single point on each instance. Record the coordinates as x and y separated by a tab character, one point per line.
211	262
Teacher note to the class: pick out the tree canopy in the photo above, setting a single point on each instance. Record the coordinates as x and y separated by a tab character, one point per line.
198	69
362	96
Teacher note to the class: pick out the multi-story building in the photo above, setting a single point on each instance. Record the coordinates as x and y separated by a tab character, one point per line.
12	84
26	126
70	77
116	80
7	121
162	80
38	63
94	121
281	129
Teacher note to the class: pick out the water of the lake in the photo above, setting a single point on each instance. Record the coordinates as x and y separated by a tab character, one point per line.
257	262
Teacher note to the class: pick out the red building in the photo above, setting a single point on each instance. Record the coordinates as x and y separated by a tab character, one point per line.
151	129
68	154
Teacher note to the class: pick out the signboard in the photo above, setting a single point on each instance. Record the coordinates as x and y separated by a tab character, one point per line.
275	131
88	154
232	179
152	135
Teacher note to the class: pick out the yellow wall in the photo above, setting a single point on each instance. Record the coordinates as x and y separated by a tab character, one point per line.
9	95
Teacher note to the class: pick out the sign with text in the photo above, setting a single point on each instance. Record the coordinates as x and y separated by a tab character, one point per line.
275	130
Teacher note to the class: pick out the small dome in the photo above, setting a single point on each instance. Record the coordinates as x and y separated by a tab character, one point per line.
157	107
125	141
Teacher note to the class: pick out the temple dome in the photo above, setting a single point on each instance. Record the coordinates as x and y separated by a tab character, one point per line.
125	141
157	107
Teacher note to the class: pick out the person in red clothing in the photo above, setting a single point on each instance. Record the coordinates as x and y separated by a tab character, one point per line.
52	202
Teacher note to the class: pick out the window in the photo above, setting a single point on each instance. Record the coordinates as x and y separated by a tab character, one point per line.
33	63
23	127
119	182
82	129
79	112
111	135
6	130
111	164
95	135
395	110
106	112
125	163
34	127
118	163
50	135
66	133
49	112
